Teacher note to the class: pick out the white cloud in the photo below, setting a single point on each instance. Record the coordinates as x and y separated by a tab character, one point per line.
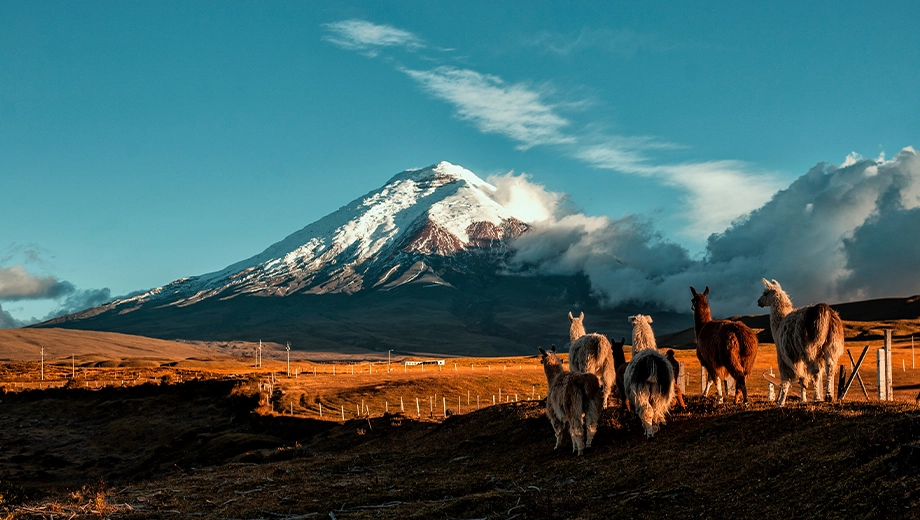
366	37
513	110
833	235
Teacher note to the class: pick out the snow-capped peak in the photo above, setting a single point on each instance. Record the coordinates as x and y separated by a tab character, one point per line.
443	210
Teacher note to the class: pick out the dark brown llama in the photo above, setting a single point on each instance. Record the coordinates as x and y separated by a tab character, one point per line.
678	393
724	347
573	398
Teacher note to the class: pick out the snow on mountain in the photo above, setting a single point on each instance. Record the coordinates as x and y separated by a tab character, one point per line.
383	239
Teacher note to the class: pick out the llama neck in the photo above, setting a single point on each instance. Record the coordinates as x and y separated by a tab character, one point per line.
552	371
576	331
619	357
780	308
701	316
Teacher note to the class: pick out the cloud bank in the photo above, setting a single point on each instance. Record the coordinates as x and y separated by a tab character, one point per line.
838	233
17	284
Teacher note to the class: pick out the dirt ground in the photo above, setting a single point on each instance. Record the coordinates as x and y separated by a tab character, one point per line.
217	445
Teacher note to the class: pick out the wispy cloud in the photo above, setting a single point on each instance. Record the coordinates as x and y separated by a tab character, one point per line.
514	110
623	42
367	37
717	192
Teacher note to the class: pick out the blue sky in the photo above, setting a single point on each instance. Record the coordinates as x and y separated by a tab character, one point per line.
141	142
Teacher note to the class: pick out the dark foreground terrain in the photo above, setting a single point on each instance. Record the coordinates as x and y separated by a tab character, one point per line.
198	450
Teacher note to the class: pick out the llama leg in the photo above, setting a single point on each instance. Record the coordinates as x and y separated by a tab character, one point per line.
558	427
578	438
831	370
719	389
819	387
708	386
783	390
741	389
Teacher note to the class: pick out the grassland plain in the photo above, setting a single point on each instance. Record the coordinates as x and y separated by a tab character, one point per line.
228	439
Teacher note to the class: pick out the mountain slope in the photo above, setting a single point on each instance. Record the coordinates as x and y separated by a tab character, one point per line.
419	265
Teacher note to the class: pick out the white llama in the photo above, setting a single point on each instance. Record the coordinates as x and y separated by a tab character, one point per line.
808	341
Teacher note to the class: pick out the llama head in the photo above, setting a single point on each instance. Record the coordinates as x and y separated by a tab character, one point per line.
618	344
769	293
576	326
639	319
699	300
549	357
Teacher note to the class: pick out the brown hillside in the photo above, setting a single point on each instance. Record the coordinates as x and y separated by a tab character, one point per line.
90	346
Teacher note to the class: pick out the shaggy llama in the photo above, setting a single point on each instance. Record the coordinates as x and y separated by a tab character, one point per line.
724	347
573	398
808	341
649	378
642	336
591	353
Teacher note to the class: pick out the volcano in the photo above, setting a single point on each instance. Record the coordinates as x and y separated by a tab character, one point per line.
422	264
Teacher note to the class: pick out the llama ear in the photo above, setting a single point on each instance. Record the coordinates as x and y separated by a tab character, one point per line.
543	352
692	290
553	348
649	319
631	319
623	341
706	292
776	284
582	315
571	317
765	283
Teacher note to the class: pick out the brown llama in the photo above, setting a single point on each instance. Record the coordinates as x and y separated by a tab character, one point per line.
592	354
808	341
678	393
724	347
620	363
573	398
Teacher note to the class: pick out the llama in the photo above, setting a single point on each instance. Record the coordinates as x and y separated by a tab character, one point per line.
573	398
724	347
678	393
649	378
591	353
642	336
808	340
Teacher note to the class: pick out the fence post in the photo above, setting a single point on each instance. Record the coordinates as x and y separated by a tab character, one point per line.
889	391
881	372
681	378
771	389
703	380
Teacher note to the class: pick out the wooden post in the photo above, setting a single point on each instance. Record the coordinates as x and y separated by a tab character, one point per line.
320	409
681	378
343	412
854	365
888	365
458	405
401	407
444	404
703	381
841	379
881	372
771	389
418	408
